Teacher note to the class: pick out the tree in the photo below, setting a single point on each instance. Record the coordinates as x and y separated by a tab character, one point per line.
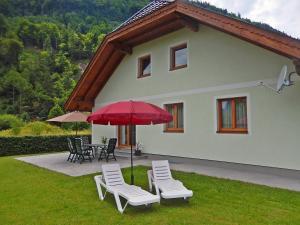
3	25
56	110
10	50
27	32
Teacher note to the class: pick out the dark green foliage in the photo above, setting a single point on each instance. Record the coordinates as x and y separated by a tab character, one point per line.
78	13
3	25
9	51
32	145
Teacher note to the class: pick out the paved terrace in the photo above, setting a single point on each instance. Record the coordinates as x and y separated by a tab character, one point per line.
280	178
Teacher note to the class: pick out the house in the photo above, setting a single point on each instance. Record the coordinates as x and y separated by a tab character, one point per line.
205	68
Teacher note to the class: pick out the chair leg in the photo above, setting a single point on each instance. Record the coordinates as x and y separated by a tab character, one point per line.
100	156
73	157
119	205
114	156
69	157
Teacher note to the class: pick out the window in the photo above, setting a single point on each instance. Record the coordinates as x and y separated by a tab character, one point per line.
144	66
178	57
177	124
232	115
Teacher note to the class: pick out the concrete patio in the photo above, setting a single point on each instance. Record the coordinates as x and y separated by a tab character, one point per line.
57	162
272	177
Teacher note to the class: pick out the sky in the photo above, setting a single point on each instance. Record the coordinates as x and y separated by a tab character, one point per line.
283	15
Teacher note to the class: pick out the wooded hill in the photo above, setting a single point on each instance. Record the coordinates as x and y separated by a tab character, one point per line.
45	45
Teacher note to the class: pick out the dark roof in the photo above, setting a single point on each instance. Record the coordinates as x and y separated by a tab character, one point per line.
148	9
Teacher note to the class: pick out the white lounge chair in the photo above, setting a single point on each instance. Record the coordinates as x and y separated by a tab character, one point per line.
161	178
112	180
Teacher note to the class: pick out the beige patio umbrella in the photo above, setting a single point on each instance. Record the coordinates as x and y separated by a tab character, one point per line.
72	117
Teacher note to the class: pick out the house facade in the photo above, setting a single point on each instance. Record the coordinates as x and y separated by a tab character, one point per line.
208	77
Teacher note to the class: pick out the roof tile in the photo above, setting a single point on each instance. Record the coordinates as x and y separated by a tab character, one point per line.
148	9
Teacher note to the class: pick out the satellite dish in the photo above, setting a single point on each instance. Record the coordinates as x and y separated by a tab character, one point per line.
283	79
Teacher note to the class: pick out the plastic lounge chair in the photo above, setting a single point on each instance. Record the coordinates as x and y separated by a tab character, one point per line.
112	180
110	150
81	154
161	178
72	150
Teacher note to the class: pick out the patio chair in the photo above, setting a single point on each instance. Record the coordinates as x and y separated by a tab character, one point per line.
161	178
81	154
85	142
109	150
113	182
72	150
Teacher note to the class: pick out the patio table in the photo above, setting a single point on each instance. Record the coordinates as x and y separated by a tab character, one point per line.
96	147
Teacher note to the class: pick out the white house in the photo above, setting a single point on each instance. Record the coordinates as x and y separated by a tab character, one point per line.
205	68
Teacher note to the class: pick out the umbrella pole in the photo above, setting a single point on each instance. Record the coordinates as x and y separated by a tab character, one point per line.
131	132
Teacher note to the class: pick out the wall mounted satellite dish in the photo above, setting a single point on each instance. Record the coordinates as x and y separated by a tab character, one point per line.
284	80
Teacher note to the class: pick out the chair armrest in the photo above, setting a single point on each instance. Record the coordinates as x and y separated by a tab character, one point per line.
152	182
150	179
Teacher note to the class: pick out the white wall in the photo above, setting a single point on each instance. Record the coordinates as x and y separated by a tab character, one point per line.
219	65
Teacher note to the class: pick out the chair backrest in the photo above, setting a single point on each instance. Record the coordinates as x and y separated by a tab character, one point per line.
111	145
161	170
78	145
85	140
112	175
70	145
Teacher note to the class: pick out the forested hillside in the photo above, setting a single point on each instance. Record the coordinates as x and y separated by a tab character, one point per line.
45	45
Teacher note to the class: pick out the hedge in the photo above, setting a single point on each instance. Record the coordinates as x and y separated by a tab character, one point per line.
33	144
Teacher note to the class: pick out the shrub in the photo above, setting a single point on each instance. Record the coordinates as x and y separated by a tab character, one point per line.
42	128
16	127
8	121
33	145
37	128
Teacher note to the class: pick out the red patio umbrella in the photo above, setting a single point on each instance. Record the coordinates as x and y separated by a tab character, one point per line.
130	113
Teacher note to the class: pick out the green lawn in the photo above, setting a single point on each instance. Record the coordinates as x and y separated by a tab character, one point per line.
30	195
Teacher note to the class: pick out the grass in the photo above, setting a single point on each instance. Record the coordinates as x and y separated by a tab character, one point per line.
32	195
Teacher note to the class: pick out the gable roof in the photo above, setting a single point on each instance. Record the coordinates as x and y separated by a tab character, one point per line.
158	18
